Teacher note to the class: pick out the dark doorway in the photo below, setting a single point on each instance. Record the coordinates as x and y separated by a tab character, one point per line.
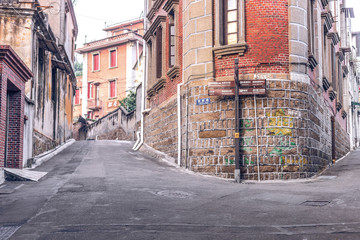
13	127
6	128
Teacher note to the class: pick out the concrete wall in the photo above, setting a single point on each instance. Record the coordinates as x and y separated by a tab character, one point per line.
28	131
118	124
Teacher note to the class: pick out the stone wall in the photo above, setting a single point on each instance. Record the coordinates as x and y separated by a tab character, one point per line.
118	124
42	143
161	128
293	133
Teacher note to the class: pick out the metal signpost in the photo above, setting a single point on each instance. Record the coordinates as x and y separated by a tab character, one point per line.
237	88
237	123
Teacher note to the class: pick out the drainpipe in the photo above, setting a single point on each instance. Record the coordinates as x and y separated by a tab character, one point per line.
179	119
140	142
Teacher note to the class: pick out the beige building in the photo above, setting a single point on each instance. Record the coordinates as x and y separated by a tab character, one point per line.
301	121
43	34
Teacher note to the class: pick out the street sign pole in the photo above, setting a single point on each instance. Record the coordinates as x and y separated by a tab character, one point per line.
237	172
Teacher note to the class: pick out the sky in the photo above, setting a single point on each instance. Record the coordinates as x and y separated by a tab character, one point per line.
92	15
356	5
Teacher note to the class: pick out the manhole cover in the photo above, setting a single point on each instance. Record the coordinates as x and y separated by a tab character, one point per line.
174	194
315	203
7	232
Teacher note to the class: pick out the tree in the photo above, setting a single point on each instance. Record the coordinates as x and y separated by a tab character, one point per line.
78	68
129	103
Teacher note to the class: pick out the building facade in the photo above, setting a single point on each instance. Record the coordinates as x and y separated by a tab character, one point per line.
43	33
302	49
108	74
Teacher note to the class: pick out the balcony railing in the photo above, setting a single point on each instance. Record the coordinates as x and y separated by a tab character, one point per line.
94	104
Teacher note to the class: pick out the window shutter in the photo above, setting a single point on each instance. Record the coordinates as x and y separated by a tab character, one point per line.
112	89
96	62
77	97
113	58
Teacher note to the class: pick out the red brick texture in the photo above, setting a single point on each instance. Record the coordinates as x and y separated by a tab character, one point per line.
267	37
13	75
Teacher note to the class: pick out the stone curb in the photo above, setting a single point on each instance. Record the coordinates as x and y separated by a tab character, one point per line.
44	157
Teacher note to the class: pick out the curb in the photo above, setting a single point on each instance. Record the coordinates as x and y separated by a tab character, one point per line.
44	157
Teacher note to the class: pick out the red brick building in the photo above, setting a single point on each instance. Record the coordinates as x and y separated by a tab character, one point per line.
13	76
108	74
294	130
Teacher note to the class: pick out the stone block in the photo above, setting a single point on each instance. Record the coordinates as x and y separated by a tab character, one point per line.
212	134
197	9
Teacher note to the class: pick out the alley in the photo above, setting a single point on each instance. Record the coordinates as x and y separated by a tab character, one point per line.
104	190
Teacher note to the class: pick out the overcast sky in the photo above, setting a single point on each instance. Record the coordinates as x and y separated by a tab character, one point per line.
92	15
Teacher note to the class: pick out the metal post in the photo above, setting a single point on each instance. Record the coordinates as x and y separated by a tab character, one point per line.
237	172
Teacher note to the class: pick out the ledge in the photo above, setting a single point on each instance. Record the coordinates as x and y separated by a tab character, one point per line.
153	10
324	3
328	19
159	19
332	95
173	72
312	62
230	49
334	36
338	107
326	84
343	114
161	82
340	55
170	5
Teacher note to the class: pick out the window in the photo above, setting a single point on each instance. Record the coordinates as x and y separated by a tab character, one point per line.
159	53
112	88
311	35
77	97
229	28
171	40
311	27
231	22
90	90
96	62
113	58
333	68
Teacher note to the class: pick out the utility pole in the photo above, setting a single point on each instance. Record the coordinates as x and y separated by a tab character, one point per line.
237	172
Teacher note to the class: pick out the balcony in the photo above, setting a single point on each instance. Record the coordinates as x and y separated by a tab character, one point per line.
94	104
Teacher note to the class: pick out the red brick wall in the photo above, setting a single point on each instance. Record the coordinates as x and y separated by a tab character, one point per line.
170	88
16	117
267	37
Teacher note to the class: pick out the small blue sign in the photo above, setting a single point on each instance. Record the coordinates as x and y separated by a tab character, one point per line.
204	101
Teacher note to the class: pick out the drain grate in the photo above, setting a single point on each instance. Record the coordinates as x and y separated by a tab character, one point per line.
174	194
316	203
7	232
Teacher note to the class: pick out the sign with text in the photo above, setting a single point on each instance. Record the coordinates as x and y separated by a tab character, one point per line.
113	104
204	101
243	83
231	92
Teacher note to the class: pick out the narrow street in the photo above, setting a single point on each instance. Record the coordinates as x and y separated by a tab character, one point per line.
104	190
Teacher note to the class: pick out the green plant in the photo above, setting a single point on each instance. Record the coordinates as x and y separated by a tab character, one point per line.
129	103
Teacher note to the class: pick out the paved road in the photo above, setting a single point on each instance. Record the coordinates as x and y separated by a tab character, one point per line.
104	190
